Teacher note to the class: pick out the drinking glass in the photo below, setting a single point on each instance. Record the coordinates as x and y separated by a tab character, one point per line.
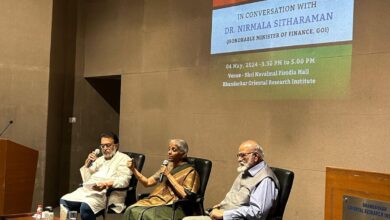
72	215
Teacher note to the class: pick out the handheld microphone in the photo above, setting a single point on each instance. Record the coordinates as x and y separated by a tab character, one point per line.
96	152
6	127
165	163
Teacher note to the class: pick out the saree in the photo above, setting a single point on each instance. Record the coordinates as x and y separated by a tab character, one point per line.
158	204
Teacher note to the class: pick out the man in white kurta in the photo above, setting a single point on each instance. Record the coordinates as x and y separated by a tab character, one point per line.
98	174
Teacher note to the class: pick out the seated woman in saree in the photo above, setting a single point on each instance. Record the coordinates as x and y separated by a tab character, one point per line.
176	180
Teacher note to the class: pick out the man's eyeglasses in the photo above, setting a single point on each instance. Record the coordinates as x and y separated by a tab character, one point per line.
244	154
106	145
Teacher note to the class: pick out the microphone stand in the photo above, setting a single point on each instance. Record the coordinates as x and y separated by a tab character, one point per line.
6	127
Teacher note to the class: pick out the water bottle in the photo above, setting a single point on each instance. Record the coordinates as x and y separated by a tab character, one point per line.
38	214
48	213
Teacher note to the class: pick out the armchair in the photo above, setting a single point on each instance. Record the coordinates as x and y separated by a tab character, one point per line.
194	206
286	178
139	160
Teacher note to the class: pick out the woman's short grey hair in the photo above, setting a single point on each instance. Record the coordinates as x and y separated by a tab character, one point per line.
181	144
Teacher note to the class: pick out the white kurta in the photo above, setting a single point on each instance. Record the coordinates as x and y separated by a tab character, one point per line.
115	170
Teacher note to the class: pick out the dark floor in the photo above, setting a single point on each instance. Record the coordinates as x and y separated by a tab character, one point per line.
108	217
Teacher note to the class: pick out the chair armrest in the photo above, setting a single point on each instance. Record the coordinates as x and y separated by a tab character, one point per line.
199	199
188	205
181	202
111	189
193	198
143	195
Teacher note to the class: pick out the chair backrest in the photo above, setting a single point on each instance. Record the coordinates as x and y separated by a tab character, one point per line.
138	160
203	167
286	178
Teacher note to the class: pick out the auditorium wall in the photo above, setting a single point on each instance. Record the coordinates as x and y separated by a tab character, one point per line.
40	74
25	28
161	50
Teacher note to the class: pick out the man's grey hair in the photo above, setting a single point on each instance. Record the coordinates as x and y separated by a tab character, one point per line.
181	144
259	150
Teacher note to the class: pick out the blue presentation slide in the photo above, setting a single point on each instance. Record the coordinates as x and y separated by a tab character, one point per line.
277	23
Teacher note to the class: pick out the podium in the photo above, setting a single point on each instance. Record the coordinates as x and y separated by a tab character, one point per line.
18	165
356	195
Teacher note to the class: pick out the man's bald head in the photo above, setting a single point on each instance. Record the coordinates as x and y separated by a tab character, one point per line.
252	146
250	153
